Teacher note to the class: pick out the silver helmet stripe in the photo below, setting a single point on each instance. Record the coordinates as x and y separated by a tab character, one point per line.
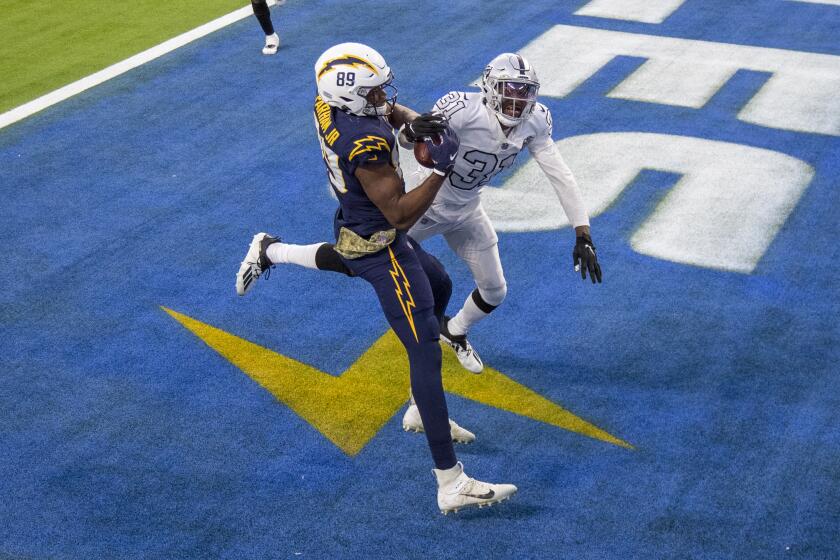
522	67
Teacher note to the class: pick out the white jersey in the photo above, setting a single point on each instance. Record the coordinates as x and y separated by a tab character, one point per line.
457	213
485	150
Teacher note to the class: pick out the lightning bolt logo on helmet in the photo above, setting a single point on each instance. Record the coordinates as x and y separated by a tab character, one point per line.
346	60
355	78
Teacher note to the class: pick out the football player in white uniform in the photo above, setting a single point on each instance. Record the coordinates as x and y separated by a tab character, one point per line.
493	125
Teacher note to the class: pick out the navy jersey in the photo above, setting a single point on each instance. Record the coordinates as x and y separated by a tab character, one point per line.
348	141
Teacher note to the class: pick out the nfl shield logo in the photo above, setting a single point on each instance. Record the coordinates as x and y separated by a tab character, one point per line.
505	146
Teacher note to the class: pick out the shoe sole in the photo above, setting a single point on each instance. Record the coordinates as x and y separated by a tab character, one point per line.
408	428
480	506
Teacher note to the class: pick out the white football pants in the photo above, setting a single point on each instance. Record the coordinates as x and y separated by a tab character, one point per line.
472	237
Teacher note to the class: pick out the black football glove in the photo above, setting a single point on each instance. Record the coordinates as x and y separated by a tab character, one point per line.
425	126
585	258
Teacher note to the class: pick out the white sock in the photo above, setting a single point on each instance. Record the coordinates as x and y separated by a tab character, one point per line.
447	476
469	315
285	253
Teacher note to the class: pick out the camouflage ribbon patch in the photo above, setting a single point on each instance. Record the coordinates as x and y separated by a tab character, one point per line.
351	245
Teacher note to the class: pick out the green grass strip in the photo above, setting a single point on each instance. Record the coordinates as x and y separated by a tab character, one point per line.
47	45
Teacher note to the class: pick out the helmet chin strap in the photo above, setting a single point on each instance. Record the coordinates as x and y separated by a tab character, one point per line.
500	117
505	127
379	110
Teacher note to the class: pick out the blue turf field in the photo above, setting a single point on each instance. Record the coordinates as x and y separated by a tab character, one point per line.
124	436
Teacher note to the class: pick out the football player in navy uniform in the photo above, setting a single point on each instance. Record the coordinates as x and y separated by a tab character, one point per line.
272	40
356	115
493	127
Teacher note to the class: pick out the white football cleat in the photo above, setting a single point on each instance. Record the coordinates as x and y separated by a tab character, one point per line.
272	42
456	490
466	354
413	423
255	263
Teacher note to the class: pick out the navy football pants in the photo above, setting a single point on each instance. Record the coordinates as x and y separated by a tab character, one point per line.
413	289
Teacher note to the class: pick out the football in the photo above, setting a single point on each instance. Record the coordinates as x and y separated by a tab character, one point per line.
422	155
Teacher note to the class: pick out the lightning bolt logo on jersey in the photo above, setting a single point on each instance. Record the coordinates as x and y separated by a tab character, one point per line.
369	144
348	141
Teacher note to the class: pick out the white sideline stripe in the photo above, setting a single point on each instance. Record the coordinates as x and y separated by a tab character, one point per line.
645	11
830	2
68	91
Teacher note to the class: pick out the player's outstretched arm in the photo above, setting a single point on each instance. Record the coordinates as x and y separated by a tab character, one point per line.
385	189
416	127
561	178
401	115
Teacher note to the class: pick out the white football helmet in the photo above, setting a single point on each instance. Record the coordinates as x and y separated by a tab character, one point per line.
510	86
356	79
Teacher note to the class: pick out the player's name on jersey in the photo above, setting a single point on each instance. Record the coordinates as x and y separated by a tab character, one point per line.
324	116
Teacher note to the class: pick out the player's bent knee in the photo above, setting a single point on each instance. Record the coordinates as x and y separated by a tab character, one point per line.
437	274
428	328
487	299
427	351
418	331
444	285
326	258
425	358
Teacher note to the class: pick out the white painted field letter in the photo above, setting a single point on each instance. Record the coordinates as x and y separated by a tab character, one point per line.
646	11
723	213
801	95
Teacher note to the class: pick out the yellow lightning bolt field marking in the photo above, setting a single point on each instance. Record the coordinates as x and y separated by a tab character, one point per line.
351	408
